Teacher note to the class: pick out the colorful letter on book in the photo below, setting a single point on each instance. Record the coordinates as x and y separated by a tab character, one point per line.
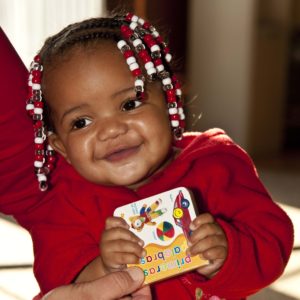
162	222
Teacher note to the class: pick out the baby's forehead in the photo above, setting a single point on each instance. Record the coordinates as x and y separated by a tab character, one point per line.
88	49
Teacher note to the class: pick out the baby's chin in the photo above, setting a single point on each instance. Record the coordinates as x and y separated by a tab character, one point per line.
131	182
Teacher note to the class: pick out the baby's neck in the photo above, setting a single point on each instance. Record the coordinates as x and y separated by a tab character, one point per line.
174	152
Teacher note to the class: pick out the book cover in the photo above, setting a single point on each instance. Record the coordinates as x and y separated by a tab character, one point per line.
162	222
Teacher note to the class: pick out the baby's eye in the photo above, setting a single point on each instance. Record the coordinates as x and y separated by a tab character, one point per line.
131	104
81	123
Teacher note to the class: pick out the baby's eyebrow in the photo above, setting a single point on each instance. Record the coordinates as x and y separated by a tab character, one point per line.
123	91
72	109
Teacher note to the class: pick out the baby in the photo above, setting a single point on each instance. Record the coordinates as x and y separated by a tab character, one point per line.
104	92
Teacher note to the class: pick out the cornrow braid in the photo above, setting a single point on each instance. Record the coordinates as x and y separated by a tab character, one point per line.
137	40
80	33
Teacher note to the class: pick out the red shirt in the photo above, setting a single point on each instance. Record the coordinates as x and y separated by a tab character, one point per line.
224	183
66	222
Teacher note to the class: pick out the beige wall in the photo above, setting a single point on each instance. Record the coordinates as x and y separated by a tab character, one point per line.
266	130
219	64
236	65
296	12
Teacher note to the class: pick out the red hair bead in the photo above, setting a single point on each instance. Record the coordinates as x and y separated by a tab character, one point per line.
136	72
51	159
128	53
126	31
174	117
128	17
36	73
39	157
37	59
39	104
146	25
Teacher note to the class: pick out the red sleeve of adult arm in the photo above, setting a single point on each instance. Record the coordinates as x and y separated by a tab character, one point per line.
66	240
18	188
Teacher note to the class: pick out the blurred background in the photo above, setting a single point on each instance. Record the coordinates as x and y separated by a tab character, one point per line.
240	65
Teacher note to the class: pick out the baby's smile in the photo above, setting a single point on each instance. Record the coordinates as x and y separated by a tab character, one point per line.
122	153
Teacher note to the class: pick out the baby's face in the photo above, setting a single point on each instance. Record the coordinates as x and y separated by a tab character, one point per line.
108	135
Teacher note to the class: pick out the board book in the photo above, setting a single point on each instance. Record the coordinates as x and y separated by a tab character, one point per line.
162	222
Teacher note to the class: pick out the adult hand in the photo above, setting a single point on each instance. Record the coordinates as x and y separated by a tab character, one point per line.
110	287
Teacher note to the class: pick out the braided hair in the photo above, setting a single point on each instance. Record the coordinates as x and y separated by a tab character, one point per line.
138	41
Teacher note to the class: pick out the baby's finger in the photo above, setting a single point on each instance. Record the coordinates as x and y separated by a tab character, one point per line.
200	220
122	259
120	233
207	243
113	222
123	246
212	254
211	269
205	230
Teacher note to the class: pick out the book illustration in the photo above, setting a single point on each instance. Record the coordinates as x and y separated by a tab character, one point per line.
146	216
162	222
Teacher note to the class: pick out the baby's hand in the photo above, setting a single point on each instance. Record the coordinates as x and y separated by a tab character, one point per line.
119	246
208	240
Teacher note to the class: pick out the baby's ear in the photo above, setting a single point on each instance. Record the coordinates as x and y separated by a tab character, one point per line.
57	144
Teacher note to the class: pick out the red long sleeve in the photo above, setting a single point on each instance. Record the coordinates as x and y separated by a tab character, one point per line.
18	188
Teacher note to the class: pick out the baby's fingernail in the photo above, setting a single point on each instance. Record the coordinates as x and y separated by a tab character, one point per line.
141	243
192	226
144	253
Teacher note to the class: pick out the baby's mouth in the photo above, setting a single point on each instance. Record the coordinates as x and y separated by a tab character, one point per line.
120	154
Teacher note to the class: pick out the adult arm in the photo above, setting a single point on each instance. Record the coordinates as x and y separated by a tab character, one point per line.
112	286
18	188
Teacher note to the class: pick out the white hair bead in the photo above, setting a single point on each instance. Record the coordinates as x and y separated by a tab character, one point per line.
180	110
49	147
141	21
139	82
155	48
29	106
149	65
133	66
38	110
178	92
174	123
130	60
173	111
160	68
121	44
36	86
151	71
137	42
167	81
38	140
41	177
168	57
134	18
38	164
155	33
133	25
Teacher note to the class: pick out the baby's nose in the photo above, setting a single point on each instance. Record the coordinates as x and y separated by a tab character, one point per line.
111	128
